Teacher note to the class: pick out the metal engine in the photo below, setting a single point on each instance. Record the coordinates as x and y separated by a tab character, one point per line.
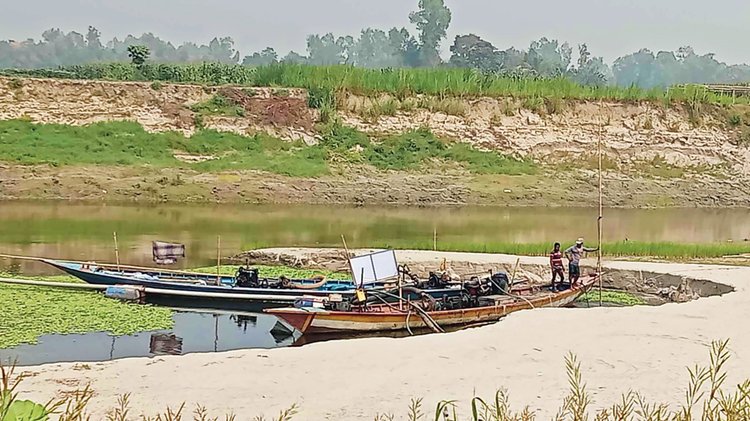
247	278
497	283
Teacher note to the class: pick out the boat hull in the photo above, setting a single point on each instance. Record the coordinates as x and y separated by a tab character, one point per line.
244	296
313	321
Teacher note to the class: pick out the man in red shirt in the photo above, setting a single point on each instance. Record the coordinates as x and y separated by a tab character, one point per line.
556	263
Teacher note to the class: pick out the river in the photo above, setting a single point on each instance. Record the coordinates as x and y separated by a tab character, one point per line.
84	231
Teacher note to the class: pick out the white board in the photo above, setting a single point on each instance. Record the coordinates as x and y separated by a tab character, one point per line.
370	268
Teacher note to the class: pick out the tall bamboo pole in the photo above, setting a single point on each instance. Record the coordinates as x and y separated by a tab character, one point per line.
117	251
218	260
599	220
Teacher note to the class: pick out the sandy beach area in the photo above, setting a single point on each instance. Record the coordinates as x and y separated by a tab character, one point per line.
643	348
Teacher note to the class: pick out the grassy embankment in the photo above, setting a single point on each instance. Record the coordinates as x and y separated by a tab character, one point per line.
29	312
706	397
127	144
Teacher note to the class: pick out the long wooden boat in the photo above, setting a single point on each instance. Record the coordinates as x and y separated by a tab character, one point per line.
388	317
202	284
108	274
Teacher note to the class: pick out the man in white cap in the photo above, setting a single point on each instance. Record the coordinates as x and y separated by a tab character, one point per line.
574	253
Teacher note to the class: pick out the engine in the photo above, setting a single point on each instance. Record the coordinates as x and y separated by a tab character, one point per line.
247	278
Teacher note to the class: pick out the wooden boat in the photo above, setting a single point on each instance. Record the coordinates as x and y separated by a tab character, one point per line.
108	274
389	317
204	287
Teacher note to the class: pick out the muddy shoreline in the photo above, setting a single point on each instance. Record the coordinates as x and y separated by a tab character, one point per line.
358	186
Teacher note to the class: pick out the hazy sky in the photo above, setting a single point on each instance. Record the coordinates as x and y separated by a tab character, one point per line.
610	27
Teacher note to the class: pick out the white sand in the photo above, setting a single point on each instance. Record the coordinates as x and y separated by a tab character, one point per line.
644	348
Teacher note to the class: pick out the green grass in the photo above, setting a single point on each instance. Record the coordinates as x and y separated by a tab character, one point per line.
127	143
218	105
401	83
666	250
614	297
276	271
414	149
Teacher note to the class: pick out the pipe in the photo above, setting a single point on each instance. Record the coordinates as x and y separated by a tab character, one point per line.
253	297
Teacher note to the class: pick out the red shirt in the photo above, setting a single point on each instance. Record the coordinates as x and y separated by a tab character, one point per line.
556	259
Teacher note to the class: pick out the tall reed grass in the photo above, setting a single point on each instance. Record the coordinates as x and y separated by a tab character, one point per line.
666	250
441	82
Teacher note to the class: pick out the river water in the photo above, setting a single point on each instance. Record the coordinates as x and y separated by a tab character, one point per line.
84	231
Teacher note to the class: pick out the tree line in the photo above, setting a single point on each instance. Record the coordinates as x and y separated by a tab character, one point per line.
392	48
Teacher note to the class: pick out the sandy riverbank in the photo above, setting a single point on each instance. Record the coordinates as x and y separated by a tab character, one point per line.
643	348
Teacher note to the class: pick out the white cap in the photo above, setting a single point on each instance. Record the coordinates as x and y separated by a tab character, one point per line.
580	240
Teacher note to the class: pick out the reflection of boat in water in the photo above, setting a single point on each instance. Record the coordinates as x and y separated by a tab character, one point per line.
165	344
478	305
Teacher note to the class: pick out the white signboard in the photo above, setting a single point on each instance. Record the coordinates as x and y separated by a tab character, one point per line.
371	268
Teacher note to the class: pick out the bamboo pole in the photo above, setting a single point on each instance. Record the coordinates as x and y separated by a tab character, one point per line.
218	260
599	221
348	260
117	251
434	239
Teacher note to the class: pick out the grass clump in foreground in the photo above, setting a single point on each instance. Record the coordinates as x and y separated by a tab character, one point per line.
706	398
400	83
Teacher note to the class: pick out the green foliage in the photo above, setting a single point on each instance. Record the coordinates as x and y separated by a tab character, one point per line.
29	312
138	54
402	83
219	105
666	250
614	297
340	138
156	85
25	411
324	100
126	143
412	149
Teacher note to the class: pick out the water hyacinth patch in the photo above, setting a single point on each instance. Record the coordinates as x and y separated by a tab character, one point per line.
29	312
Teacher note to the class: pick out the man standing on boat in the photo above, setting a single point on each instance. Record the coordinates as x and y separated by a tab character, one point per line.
574	253
556	263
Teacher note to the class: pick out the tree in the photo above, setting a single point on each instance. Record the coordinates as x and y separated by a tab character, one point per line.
474	52
263	58
374	49
327	50
590	70
294	58
138	54
432	21
549	58
404	46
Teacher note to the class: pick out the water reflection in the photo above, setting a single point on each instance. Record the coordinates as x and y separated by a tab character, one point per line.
84	231
193	332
